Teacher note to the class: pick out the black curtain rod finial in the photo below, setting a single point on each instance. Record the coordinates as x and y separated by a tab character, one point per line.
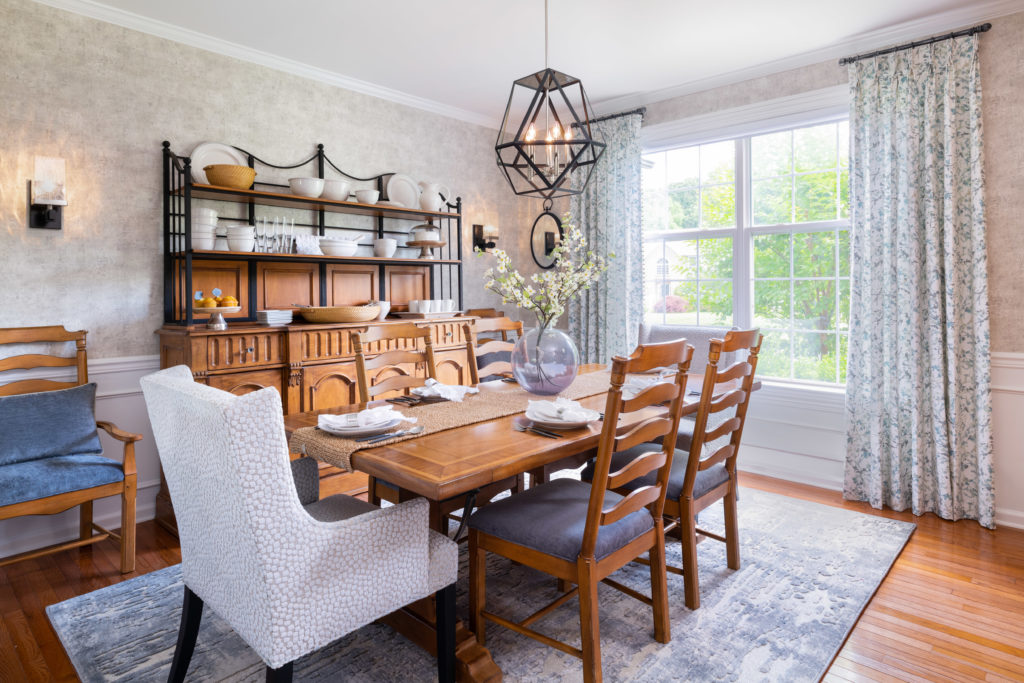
980	28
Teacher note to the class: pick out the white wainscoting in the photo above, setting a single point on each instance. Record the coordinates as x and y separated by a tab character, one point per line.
800	435
792	433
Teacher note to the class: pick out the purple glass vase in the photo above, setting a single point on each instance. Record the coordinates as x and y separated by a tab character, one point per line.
545	361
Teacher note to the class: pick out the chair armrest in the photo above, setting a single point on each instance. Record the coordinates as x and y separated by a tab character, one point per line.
129	439
118	434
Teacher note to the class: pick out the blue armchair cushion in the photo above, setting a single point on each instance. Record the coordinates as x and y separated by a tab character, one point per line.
705	481
36	479
48	423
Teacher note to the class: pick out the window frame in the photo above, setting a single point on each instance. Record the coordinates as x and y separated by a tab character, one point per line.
744	233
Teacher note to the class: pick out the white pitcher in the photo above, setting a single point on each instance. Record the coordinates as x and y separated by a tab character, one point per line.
430	197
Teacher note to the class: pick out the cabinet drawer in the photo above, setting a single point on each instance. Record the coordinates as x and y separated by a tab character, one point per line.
243	382
447	334
244	350
326	344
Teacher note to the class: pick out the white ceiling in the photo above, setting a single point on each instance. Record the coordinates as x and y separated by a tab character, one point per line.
460	57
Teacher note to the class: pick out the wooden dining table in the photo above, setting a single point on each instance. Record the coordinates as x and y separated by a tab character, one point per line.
459	462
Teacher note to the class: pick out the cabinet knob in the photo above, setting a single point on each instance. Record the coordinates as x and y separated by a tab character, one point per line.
250	349
447	334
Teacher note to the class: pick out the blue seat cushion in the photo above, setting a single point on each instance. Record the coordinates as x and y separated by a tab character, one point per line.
705	481
48	423
551	518
36	479
338	507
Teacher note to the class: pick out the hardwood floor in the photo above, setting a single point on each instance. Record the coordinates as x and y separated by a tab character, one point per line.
951	609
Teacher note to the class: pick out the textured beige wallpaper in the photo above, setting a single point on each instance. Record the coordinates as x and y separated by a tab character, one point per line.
104	97
1002	82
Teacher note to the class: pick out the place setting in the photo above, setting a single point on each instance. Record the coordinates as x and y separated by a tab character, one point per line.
368	425
548	418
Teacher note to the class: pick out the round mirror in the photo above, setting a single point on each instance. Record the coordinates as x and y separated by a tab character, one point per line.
545	236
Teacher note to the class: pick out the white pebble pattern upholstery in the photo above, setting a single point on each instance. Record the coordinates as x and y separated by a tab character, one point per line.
287	583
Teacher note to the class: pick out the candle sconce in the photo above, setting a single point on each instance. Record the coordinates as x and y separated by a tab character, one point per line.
484	237
47	194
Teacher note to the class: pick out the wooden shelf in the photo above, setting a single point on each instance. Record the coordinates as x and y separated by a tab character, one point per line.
209	255
291	201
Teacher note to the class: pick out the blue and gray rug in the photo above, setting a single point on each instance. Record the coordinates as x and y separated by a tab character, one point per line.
808	571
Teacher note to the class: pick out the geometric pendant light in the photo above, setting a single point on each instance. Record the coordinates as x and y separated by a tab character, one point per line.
546	146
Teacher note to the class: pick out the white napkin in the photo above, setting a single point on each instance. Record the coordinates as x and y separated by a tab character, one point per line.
637	383
307	244
561	410
371	417
452	392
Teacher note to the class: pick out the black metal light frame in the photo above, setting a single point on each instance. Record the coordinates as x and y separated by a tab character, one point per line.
554	98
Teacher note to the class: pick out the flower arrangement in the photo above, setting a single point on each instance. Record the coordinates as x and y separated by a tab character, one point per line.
547	293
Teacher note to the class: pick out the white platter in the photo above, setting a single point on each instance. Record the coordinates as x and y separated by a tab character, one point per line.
402	190
559	424
353	432
439	314
207	153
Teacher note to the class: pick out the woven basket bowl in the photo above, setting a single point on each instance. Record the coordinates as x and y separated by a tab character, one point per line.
229	175
340	314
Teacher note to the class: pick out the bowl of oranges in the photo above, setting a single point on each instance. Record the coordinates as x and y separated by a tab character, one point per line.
214	307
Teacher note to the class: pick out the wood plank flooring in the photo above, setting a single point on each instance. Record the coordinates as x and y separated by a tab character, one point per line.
951	609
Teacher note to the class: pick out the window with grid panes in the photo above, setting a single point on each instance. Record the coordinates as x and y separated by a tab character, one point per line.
753	232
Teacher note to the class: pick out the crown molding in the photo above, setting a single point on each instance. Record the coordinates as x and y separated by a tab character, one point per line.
865	42
814	106
136	22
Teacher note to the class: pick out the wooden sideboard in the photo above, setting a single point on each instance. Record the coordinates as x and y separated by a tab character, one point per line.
312	366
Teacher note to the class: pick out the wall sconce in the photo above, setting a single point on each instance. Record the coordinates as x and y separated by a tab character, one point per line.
47	194
484	237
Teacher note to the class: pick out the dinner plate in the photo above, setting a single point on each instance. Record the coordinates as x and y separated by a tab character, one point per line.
560	424
207	153
402	190
351	432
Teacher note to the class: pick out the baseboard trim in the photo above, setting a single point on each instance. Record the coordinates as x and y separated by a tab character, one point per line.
1013	519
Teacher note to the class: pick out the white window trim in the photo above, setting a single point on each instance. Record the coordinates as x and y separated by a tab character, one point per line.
805	109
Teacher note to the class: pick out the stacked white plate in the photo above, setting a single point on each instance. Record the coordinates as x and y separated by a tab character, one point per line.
274	317
348	425
560	414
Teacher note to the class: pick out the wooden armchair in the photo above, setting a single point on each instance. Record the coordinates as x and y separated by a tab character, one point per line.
582	533
50	452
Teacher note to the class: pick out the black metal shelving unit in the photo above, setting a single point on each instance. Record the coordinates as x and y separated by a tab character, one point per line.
180	192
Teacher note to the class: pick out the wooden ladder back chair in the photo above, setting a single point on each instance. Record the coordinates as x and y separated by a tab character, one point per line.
101	476
540	528
477	350
721	483
400	344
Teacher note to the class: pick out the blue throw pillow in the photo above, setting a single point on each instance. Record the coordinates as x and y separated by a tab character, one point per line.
48	423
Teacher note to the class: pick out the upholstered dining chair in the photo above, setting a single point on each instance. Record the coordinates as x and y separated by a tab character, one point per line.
50	453
699	336
490	357
581	533
704	467
288	580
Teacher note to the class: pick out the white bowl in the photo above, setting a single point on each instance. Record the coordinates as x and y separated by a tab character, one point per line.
203	231
202	241
240	232
306	187
384	247
338	247
200	215
244	244
367	196
426	234
336	189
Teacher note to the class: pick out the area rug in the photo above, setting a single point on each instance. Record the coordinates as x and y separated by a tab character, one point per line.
808	571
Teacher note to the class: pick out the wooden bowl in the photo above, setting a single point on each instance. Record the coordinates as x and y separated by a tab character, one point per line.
340	314
229	175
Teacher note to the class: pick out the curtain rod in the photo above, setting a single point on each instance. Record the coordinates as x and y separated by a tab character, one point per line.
639	110
981	28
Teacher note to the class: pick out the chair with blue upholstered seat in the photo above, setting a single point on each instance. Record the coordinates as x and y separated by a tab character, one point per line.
50	451
704	466
581	533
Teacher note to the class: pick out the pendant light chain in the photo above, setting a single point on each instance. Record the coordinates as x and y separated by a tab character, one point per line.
545	34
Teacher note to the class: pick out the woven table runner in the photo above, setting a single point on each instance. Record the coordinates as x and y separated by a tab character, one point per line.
437	417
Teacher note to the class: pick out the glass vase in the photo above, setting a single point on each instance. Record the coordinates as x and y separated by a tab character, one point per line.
545	361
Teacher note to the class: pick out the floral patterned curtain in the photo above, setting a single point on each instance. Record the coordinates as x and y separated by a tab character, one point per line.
604	319
917	392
